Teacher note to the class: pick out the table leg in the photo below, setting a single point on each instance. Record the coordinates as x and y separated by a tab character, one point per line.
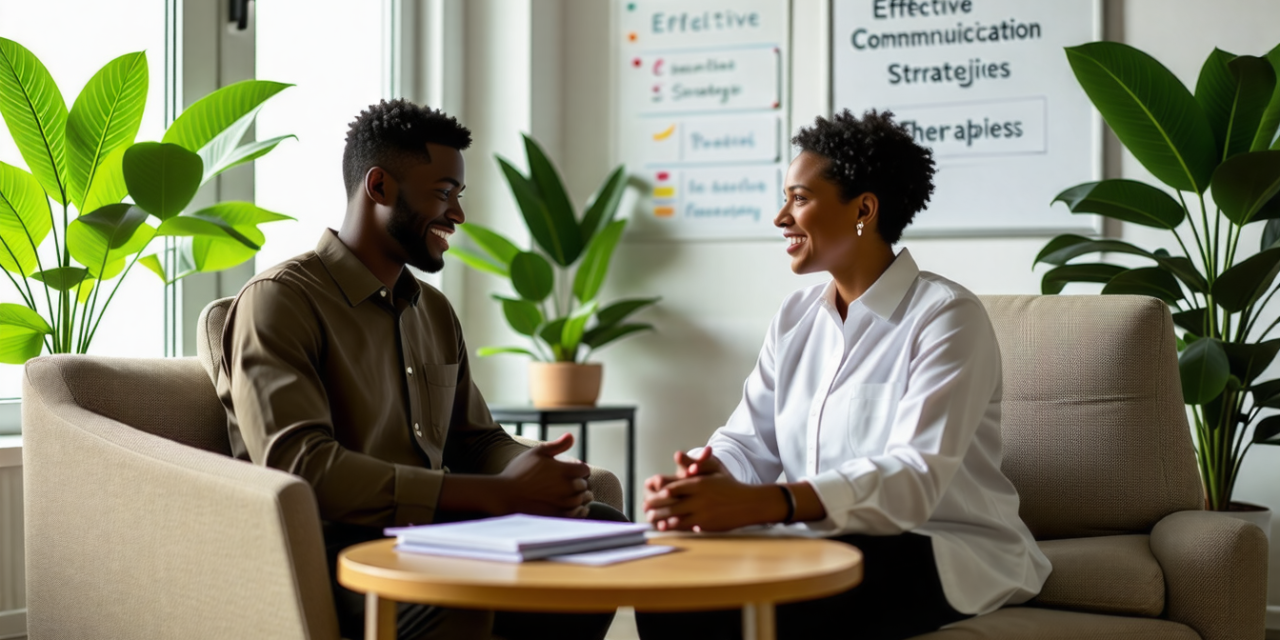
582	444
758	621
379	618
542	429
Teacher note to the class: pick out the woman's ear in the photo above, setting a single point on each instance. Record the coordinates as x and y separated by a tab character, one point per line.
868	209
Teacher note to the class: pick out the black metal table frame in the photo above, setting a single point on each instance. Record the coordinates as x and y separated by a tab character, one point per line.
581	416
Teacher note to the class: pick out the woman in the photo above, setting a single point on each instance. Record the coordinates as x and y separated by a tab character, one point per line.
876	398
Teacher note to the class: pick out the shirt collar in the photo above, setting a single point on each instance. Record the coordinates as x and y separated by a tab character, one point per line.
354	279
887	292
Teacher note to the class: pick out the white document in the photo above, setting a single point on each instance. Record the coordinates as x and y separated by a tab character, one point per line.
613	556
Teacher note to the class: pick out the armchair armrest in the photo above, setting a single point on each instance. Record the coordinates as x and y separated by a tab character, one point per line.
1215	569
604	485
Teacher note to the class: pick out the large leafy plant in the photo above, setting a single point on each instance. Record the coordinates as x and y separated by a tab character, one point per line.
86	163
1220	142
565	322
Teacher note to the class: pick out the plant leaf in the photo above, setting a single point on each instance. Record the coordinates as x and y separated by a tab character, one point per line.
100	240
1267	430
545	177
1247	361
594	267
108	185
478	262
215	252
152	262
1243	185
522	315
1270	234
247	152
62	278
574	327
197	225
1204	370
562	246
491	242
484	352
604	204
1266	394
36	115
24	219
214	125
597	338
162	177
22	333
1270	121
1192	321
1055	279
1147	281
1185	270
621	310
1068	246
106	115
552	332
1125	200
531	276
1233	91
83	291
1246	281
1151	112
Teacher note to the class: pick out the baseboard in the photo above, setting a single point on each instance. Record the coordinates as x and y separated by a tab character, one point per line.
1273	616
13	624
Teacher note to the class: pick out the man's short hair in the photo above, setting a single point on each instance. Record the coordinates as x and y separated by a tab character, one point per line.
874	154
392	134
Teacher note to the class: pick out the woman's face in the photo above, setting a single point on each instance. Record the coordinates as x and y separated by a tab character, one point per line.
822	230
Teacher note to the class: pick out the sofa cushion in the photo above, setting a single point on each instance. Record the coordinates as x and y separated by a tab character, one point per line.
1107	574
1028	623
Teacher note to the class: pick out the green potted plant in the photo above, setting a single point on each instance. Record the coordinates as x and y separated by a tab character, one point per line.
556	283
86	163
1218	142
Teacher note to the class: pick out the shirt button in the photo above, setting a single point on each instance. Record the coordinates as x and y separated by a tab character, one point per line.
409	370
417	430
382	292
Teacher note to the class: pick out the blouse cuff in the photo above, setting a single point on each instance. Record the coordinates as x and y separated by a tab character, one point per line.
837	498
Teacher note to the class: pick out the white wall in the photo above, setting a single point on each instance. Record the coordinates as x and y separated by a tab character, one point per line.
718	297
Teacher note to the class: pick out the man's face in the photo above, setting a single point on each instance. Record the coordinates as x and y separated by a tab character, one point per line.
427	208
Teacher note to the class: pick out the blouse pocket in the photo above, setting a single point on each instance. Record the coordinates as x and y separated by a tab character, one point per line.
870	410
442	385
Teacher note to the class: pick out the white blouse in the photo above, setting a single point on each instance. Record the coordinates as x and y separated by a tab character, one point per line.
893	416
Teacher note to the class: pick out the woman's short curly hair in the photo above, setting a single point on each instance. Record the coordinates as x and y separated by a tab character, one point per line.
874	154
391	133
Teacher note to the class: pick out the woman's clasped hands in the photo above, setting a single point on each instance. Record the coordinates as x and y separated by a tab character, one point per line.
703	496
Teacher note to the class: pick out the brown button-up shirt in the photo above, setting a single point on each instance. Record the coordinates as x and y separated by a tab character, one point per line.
363	392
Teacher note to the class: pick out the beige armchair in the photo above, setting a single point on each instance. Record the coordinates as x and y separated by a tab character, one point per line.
1097	442
139	525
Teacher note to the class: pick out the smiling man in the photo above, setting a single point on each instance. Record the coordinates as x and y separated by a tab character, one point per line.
343	368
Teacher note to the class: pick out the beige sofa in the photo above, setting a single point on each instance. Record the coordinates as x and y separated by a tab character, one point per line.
1097	442
139	525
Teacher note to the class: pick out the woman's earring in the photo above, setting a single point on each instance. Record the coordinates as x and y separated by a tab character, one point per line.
859	227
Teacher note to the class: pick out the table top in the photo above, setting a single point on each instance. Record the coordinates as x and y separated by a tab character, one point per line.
706	572
561	415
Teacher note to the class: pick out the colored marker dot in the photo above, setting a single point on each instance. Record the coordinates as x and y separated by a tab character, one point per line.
632	36
631	6
636	63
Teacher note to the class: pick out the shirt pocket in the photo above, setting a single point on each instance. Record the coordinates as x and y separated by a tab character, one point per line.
871	408
441	385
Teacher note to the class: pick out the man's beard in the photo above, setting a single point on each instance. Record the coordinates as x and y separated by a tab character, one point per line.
414	244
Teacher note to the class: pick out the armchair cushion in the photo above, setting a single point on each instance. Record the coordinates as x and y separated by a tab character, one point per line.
1030	623
1107	574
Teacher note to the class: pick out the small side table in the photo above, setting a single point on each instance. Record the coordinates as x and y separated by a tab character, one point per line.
582	416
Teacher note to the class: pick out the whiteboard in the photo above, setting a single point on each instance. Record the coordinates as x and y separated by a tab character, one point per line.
986	85
702	112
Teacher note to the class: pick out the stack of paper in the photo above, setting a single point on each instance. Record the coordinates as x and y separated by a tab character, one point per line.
520	537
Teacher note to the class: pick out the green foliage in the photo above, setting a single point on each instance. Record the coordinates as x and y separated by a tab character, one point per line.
1219	142
563	325
87	162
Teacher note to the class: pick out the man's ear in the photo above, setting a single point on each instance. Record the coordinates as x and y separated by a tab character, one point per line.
379	186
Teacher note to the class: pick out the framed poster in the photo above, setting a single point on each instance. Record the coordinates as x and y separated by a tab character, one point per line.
987	86
702	113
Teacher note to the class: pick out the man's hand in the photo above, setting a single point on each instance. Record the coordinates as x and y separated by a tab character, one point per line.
535	482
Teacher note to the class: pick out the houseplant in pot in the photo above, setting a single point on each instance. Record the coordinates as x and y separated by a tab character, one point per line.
1216	151
555	284
66	229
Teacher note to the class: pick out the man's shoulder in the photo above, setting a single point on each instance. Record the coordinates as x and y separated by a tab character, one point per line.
300	273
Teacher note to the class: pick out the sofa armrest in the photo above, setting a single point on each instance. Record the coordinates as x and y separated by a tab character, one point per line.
1215	569
129	534
604	485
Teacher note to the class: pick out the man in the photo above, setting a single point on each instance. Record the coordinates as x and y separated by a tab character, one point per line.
341	367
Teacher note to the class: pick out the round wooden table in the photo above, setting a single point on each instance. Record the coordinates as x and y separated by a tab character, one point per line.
705	573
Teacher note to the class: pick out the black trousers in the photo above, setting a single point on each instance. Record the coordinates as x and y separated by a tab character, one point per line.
428	622
900	596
